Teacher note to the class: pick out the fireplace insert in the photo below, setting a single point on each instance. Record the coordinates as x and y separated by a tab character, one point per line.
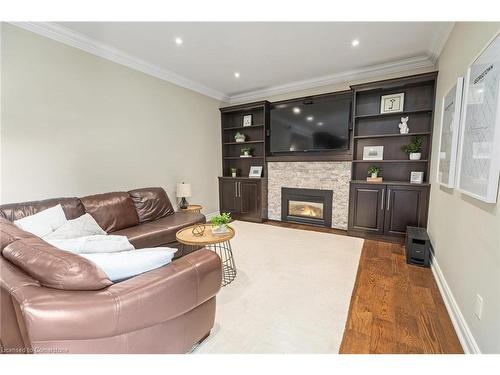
309	206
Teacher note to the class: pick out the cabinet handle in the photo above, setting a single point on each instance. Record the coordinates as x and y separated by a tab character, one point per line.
383	199
388	199
239	189
236	188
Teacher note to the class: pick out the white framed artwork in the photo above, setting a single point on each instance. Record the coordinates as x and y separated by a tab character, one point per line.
373	153
247	120
479	150
255	171
448	135
392	103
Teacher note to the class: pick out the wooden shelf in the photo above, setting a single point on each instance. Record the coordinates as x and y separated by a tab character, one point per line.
242	143
244	127
404	183
391	161
239	158
390	135
382	115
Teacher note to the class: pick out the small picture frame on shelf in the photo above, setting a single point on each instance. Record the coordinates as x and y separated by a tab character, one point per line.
416	177
255	171
392	103
247	120
373	153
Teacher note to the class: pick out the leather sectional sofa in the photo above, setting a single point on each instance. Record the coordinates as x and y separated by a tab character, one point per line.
53	301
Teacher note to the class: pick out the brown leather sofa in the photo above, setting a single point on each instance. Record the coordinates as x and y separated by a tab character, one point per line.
53	301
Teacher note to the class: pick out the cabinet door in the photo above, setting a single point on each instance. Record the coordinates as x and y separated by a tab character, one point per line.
228	197
406	206
367	208
250	202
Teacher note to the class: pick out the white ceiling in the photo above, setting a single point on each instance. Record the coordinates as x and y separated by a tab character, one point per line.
267	55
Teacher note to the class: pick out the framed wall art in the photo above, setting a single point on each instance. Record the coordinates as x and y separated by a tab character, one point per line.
392	103
448	135
479	156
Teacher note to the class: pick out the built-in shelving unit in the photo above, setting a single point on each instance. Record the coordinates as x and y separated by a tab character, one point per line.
385	209
232	123
372	128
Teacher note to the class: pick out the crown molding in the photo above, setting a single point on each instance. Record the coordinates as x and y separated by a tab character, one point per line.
372	71
74	39
440	40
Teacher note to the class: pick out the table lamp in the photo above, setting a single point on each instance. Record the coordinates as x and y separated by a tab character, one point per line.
183	191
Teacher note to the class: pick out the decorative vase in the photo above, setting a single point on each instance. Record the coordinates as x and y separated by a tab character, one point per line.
415	155
240	140
374	175
233	174
220	229
246	153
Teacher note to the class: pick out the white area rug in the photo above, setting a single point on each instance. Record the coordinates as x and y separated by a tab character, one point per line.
291	293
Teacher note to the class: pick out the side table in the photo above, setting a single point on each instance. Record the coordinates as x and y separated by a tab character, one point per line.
218	243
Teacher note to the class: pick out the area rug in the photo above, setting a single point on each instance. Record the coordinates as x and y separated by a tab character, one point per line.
291	293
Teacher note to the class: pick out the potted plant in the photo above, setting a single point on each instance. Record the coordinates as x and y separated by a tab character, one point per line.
374	171
220	223
233	172
414	148
246	151
239	137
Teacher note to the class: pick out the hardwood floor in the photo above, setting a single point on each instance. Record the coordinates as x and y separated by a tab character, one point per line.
395	307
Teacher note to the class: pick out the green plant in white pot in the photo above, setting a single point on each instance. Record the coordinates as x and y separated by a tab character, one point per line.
246	152
374	171
414	148
239	137
220	223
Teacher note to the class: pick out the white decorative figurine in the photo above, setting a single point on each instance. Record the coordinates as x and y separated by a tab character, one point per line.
403	127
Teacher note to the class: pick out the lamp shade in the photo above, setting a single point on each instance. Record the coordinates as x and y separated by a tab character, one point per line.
183	190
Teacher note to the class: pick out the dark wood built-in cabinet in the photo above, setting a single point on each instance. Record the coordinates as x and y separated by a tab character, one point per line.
386	208
243	198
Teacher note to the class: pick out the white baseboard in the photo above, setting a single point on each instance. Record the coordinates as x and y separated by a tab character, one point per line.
464	334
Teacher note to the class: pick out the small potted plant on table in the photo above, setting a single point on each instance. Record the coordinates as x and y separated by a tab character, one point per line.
246	152
233	172
414	148
220	223
373	174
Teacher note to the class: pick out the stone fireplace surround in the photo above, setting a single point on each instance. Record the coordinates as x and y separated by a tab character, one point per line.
330	175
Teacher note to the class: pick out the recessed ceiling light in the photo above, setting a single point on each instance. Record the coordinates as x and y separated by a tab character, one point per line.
296	110
236	75
355	42
178	41
309	118
320	123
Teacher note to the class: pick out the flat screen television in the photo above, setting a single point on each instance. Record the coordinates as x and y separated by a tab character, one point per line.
312	124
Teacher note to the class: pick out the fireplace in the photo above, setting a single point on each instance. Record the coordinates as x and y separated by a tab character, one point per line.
309	206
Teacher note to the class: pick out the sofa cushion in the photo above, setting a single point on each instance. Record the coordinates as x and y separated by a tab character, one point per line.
55	268
10	233
44	222
72	208
112	211
151	203
161	231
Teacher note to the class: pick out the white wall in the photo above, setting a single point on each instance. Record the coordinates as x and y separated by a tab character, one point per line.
74	124
465	232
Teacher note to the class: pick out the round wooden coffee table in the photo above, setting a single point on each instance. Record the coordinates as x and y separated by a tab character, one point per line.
219	243
193	208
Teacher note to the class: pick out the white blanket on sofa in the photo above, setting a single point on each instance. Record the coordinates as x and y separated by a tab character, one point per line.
92	244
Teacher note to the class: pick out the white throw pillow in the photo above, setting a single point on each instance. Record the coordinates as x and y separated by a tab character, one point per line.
126	264
82	226
92	244
44	222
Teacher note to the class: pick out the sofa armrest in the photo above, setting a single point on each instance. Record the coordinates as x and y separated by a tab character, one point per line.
145	300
